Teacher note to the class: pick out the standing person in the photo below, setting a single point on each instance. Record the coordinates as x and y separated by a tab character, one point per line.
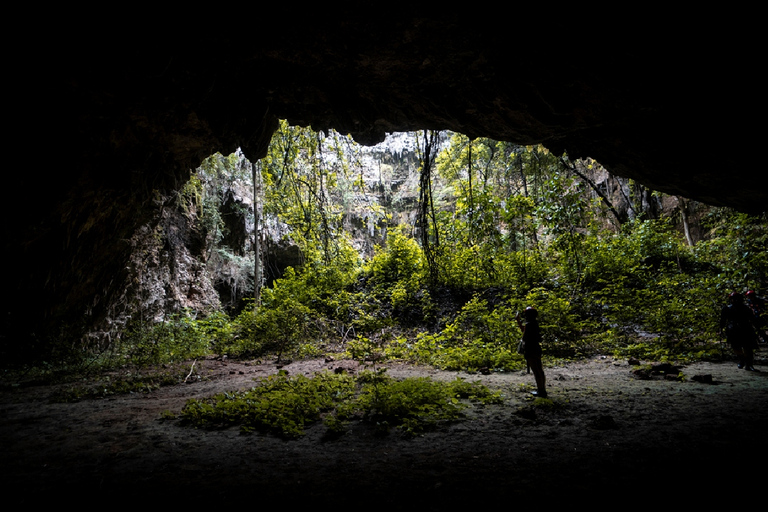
738	322
532	340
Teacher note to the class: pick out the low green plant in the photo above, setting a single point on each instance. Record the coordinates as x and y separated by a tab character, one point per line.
479	337
286	405
363	349
280	326
122	383
168	415
474	391
544	403
279	404
414	404
178	338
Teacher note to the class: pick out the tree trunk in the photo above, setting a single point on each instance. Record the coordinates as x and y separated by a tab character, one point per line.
682	203
426	204
258	266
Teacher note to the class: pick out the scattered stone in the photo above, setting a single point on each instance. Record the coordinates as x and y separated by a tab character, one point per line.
642	373
665	368
633	362
704	379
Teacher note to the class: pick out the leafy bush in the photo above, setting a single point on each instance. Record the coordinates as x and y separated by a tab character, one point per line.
281	326
279	404
415	404
402	260
477	338
178	338
287	405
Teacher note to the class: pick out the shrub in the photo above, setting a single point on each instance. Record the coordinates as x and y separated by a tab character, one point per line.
279	404
402	260
287	405
180	337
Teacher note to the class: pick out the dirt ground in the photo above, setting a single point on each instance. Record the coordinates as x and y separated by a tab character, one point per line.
614	439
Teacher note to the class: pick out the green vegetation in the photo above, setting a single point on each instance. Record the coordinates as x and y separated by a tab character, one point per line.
499	227
286	405
113	383
636	290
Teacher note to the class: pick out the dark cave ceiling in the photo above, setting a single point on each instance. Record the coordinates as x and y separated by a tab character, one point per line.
667	101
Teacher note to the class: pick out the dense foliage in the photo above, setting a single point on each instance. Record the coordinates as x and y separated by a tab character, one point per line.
505	227
285	405
514	227
497	228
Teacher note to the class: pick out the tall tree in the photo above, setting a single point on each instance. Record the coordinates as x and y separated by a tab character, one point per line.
426	219
258	233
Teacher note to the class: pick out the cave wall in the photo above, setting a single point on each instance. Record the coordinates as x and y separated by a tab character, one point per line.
120	112
167	273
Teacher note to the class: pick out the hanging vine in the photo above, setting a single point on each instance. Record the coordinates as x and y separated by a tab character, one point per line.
427	220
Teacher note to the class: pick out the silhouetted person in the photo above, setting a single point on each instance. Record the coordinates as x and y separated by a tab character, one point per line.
739	324
532	339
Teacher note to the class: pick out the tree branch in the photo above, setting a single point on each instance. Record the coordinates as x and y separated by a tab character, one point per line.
594	187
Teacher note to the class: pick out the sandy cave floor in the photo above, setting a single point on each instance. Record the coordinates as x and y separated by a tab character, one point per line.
613	439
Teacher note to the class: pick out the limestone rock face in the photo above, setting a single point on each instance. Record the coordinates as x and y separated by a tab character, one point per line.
123	114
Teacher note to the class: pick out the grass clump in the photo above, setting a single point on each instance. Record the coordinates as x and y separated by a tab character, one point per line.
120	383
285	405
279	404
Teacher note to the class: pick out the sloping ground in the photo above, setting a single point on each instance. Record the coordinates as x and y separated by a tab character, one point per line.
611	440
